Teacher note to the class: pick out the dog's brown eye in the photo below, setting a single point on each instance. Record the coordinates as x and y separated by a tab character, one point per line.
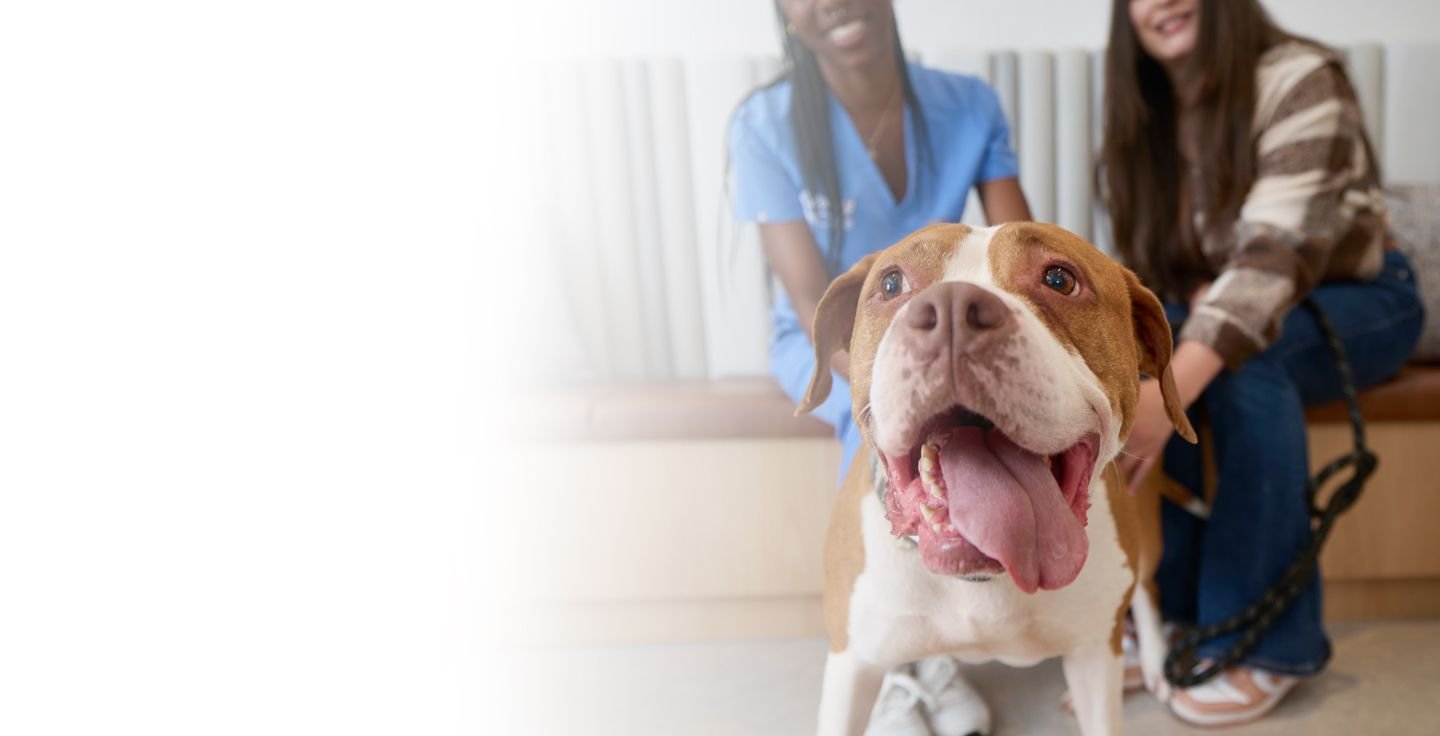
893	284
1060	279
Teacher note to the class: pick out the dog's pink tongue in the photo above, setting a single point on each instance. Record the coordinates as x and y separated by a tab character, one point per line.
1005	501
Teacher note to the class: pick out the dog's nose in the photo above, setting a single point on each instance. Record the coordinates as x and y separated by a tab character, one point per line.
963	313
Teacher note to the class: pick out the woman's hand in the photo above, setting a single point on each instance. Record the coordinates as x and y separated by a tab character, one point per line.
1148	436
1194	366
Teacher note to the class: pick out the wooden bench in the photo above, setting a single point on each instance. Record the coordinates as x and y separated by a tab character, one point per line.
712	500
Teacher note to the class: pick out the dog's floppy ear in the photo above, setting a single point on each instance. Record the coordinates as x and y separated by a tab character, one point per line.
834	322
1152	338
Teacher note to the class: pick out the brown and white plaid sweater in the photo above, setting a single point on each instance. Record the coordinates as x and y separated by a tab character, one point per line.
1314	213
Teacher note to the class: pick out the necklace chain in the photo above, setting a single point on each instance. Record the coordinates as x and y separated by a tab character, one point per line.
880	126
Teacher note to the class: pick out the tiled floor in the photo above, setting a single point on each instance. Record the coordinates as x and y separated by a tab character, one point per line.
1385	679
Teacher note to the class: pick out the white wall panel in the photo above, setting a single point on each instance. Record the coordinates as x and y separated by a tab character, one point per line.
613	232
571	239
1035	121
1100	233
1412	114
675	207
976	63
1073	177
644	197
713	88
1366	64
1005	79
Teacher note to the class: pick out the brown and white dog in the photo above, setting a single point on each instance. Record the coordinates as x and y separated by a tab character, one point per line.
994	374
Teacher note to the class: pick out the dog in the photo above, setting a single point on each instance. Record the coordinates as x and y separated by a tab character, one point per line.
994	374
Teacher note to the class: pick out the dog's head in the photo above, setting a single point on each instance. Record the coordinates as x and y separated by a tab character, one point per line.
995	371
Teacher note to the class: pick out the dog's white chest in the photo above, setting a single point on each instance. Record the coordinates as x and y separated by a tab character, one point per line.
901	611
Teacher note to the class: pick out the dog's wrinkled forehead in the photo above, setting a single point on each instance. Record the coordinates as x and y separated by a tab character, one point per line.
1013	258
1018	261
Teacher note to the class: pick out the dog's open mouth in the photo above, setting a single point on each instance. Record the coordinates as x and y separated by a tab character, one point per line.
981	504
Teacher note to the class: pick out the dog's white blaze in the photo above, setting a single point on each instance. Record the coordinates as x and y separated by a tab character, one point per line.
895	598
971	259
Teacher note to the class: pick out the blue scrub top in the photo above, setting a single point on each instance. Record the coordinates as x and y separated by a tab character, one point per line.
969	141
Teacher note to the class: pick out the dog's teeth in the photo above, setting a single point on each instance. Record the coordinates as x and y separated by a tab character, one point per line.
927	512
932	486
927	463
935	527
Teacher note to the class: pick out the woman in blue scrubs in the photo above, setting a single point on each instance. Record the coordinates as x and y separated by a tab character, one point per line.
897	145
848	151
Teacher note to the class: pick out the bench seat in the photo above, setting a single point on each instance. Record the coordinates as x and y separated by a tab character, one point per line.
754	408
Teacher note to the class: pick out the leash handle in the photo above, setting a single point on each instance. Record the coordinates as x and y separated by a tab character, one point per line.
1258	617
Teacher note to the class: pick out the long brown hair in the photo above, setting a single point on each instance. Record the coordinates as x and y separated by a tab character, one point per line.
1140	163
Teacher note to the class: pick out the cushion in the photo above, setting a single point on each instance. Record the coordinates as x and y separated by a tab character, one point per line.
1415	223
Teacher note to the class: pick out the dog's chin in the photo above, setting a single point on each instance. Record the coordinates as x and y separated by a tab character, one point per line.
980	504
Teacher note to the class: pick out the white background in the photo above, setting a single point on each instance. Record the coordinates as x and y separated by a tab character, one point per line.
237	417
251	356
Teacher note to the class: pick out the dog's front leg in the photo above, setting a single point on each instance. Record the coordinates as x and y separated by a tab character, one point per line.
847	694
1094	673
1150	636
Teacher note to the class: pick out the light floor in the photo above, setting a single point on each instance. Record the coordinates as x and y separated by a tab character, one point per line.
1384	679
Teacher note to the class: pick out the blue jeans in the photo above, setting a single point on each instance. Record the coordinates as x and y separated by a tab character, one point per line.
1212	569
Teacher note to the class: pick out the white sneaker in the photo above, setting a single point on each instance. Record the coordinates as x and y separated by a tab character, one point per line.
955	708
899	709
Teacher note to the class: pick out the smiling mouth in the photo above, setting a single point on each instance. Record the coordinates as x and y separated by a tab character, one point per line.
981	504
847	34
1171	26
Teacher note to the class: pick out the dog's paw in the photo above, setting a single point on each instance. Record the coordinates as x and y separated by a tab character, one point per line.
1156	683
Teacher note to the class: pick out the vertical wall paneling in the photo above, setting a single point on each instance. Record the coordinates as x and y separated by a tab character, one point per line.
1366	66
676	209
976	64
573	197
961	61
1072	142
650	255
713	88
1005	78
1036	123
1100	233
1412	107
741	271
614	233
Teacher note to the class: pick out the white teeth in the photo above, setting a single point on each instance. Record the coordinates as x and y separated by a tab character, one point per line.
1171	24
935	527
933	486
927	512
846	33
930	477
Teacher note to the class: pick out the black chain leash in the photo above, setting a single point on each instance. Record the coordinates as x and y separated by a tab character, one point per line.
1257	618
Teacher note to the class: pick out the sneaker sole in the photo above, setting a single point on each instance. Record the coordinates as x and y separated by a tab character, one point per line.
1232	718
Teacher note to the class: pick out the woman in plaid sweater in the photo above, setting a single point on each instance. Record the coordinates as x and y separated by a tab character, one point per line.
1240	181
